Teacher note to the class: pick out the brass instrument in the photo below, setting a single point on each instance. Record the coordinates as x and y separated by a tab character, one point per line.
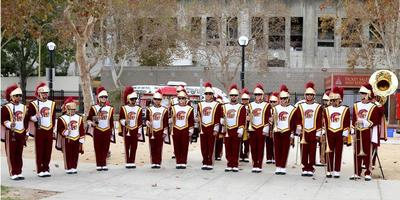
39	121
361	153
200	122
384	83
303	138
328	149
151	128
13	125
250	113
226	124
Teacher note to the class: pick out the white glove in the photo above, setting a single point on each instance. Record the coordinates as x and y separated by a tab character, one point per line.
34	118
191	131
323	131
140	130
298	129
366	123
318	133
148	123
65	133
82	140
275	129
345	133
8	124
266	130
122	121
216	127
170	121
90	123
291	135
352	131
240	132
165	131
222	121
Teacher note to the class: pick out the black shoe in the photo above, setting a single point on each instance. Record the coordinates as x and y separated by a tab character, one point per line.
218	159
173	157
336	176
204	168
328	176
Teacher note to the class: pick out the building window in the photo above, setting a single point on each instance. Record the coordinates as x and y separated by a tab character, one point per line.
351	32
257	31
296	33
375	37
195	27
326	33
276	38
212	31
231	31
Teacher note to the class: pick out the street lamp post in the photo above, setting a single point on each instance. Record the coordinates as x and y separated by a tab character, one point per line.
243	42
51	47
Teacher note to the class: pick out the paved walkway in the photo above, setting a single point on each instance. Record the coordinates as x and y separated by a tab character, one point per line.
193	183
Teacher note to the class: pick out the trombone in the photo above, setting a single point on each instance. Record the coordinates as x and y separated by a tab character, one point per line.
361	153
226	123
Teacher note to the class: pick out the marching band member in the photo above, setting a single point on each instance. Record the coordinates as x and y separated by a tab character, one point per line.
42	112
183	128
337	126
14	124
244	145
101	119
71	133
322	142
269	139
365	116
309	128
209	113
157	129
260	113
219	141
234	115
130	117
284	119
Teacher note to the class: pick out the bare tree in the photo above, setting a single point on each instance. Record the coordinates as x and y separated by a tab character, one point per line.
370	29
217	47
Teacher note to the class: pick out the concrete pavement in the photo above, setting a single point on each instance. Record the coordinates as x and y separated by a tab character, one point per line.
193	183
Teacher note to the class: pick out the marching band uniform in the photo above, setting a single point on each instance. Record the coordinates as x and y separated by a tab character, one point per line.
322	142
101	118
14	125
42	113
366	115
269	139
130	117
183	128
284	125
70	136
311	121
219	141
210	114
234	120
157	120
259	122
337	126
245	145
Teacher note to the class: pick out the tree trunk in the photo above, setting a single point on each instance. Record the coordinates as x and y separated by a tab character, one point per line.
84	73
22	83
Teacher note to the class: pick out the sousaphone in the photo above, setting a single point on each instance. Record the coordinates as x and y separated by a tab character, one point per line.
384	83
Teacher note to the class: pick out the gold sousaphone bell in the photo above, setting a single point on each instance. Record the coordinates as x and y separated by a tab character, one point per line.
384	83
